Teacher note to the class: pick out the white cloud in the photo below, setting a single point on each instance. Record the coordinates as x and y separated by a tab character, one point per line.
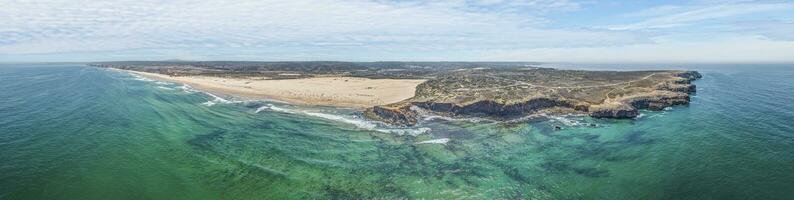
731	50
371	30
769	29
674	16
56	26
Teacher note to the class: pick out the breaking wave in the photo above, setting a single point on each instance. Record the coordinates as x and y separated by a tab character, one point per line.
140	78
144	79
568	120
347	119
216	100
357	122
186	88
435	141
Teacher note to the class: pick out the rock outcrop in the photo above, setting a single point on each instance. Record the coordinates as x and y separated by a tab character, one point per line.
394	114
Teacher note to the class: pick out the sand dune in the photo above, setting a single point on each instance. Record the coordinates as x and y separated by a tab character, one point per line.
326	91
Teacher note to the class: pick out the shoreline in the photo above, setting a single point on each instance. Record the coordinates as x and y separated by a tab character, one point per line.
350	92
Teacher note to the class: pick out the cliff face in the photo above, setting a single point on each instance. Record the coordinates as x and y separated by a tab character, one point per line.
653	90
492	108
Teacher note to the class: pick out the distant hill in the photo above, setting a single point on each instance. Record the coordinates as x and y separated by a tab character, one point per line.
383	69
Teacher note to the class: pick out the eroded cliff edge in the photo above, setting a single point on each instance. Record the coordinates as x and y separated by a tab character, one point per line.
511	93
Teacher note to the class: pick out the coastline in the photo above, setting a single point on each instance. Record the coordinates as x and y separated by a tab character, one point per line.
352	92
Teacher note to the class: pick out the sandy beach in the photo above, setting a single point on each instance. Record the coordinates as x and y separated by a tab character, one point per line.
326	91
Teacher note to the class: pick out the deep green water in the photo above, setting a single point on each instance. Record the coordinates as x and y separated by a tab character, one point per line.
73	132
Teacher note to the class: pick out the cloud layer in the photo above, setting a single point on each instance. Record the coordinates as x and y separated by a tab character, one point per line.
77	30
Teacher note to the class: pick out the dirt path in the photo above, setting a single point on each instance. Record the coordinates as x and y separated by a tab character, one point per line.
520	83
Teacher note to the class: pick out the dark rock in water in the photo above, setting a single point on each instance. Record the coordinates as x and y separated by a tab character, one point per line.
616	114
254	104
400	115
557	128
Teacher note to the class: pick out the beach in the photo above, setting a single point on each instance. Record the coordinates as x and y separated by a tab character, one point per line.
322	91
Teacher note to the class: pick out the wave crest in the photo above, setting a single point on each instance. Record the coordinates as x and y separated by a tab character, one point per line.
435	141
353	120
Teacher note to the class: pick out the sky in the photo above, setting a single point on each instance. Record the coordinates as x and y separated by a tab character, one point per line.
593	31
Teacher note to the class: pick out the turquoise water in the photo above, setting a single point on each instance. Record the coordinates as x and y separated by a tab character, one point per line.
74	132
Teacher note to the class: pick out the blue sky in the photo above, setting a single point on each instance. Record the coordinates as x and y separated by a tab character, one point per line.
721	31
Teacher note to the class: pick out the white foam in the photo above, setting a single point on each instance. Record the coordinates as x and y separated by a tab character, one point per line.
565	120
435	141
279	109
186	88
405	131
140	78
165	88
273	108
525	118
262	108
570	120
359	123
215	100
219	100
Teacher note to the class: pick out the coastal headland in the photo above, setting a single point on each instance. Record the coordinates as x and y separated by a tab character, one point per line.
400	93
514	93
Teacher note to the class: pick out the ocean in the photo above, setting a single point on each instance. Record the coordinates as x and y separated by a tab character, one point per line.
68	131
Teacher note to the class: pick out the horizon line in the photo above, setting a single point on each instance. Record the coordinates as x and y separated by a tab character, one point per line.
408	61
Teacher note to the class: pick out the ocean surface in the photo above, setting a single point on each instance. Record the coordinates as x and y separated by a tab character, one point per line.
73	132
